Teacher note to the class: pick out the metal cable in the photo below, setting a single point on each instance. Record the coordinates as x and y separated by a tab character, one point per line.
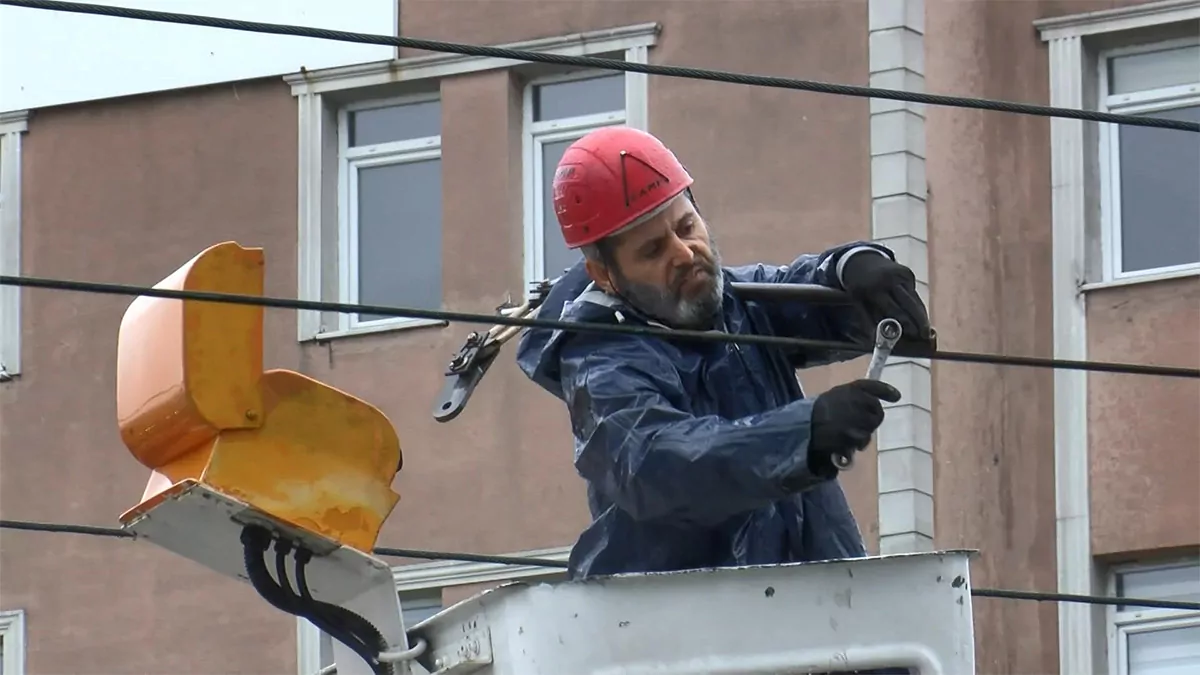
585	327
616	65
1000	593
118	533
607	64
1084	599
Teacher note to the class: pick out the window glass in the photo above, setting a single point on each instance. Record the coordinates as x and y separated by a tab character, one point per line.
576	98
1179	583
1166	651
556	255
400	235
1159	201
1154	70
395	123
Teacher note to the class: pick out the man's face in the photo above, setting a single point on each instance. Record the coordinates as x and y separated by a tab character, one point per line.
667	267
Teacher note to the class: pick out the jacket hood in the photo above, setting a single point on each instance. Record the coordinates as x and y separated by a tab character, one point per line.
574	298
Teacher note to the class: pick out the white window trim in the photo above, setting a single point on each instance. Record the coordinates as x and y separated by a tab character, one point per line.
434	576
1110	163
1120	624
349	160
316	126
13	126
12	630
1072	196
535	134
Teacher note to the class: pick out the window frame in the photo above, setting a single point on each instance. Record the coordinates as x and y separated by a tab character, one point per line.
1121	624
350	160
13	639
320	93
535	135
1141	101
13	126
1072	41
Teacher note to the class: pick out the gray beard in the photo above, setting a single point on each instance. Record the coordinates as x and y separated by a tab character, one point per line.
669	308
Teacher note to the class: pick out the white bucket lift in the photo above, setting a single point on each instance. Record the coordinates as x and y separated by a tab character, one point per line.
910	610
284	482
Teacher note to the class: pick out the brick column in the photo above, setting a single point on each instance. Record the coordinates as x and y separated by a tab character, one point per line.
898	221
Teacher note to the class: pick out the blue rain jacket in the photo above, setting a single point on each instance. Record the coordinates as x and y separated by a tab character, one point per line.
695	453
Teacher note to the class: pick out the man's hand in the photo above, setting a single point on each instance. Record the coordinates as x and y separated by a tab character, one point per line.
843	420
886	289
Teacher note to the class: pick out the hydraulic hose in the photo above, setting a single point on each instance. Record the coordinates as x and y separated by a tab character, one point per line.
256	540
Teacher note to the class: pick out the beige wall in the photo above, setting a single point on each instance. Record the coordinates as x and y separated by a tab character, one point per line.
989	210
128	190
1143	432
990	232
770	196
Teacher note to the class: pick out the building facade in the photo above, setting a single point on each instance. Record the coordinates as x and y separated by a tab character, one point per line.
420	179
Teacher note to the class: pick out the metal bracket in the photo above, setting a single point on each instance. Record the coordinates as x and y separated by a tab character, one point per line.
469	650
476	356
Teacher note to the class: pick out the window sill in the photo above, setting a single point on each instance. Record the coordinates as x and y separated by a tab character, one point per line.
372	330
1144	279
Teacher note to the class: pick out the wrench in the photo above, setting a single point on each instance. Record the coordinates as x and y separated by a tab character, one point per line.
887	333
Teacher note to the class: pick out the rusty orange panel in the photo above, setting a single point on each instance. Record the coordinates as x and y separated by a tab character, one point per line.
322	460
186	370
194	404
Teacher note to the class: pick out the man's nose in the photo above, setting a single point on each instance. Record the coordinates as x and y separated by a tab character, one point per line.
682	255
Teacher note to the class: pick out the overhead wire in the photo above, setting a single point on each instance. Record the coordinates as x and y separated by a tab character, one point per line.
416	554
616	65
998	593
584	327
605	64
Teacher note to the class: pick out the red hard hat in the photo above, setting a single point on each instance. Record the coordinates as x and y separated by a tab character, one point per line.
610	178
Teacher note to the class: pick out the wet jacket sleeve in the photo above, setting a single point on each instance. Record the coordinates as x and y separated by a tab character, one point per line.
810	321
637	442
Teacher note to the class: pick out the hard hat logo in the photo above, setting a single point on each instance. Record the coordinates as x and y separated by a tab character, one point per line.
638	175
610	178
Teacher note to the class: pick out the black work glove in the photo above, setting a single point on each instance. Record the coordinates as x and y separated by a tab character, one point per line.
843	420
885	289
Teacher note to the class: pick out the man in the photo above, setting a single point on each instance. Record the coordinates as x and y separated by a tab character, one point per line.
700	454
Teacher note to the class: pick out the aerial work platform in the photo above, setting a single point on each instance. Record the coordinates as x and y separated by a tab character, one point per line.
909	611
246	463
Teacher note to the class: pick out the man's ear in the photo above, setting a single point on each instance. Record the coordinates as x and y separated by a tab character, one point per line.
599	274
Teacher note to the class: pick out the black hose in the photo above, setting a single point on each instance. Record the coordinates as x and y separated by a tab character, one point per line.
256	540
321	615
353	623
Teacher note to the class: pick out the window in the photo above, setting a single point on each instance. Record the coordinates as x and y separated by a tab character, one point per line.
391	208
1146	641
1078	49
1150	204
370	209
559	110
12	126
12	642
